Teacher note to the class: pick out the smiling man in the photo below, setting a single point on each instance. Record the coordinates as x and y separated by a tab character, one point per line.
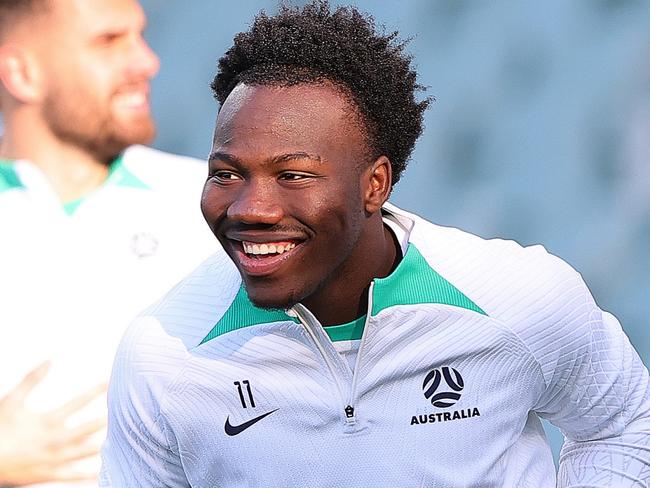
347	342
295	200
94	226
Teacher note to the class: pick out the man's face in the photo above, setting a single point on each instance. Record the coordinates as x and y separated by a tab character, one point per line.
284	193
97	69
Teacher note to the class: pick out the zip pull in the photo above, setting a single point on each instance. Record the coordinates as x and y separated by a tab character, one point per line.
349	411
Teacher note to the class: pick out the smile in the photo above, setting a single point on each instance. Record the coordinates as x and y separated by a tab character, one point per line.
255	249
264	258
133	97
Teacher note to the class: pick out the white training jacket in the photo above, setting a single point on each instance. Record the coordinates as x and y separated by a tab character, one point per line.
465	346
72	277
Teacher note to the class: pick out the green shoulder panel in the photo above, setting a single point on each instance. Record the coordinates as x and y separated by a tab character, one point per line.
415	282
8	176
242	313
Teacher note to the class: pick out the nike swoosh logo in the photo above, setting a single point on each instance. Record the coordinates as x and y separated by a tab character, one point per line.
238	429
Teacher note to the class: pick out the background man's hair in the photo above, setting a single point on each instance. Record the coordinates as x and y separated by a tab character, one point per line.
314	44
11	11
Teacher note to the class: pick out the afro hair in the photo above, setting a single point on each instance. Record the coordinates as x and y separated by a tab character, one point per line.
314	44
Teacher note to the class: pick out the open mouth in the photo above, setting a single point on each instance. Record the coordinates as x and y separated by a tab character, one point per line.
264	249
133	98
264	258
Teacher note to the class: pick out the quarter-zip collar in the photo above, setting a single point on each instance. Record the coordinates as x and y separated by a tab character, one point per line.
412	282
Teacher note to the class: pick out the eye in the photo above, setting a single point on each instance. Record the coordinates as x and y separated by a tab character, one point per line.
291	176
223	176
109	38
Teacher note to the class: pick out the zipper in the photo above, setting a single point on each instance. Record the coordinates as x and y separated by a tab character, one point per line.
348	410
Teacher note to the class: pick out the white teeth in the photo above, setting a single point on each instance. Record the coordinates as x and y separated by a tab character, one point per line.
135	99
260	249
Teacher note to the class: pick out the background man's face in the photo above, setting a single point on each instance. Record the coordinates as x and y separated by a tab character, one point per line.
284	193
97	68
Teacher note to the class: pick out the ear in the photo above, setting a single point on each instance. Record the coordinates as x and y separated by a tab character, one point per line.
20	73
378	178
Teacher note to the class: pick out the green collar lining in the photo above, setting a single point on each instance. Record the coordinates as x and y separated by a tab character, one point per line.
70	207
413	282
8	177
352	331
118	175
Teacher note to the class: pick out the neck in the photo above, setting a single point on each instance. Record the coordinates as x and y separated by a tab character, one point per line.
71	171
345	298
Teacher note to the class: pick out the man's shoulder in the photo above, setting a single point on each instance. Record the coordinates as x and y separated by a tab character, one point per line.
185	315
163	169
443	244
162	338
507	280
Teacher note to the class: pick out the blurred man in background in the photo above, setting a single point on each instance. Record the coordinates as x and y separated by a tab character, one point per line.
94	227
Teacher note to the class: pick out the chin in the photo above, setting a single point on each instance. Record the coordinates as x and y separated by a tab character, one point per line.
144	135
274	300
140	130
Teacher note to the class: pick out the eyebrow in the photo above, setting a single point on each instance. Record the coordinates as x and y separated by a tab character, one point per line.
282	158
222	156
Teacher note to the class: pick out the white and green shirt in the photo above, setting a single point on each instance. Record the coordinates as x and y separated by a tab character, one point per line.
73	276
464	347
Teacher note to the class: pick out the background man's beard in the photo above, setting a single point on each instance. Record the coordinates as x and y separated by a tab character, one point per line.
103	139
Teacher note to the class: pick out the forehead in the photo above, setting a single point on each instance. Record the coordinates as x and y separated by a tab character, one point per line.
298	114
95	17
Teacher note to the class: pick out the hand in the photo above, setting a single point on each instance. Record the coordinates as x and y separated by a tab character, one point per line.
38	447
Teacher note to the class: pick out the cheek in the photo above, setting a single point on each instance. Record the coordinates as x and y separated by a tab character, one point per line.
317	210
335	215
213	204
205	195
89	78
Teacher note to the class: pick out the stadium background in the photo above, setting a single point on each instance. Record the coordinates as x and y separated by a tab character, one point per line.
540	131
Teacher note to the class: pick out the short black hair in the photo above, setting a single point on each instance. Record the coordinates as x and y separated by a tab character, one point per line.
314	44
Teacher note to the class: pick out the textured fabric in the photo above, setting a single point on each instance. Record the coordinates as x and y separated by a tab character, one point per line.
445	393
348	350
70	282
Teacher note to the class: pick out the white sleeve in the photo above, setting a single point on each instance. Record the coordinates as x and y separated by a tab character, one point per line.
597	392
140	449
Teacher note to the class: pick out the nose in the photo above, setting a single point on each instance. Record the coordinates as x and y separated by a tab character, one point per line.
145	61
256	203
